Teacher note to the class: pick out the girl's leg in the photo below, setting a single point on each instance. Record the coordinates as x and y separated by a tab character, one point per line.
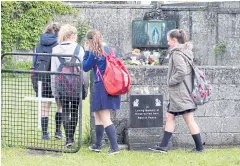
99	128
194	129
65	117
44	119
169	129
74	117
105	116
58	119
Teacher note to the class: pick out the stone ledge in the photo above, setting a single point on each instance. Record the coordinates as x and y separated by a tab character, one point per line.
184	8
112	6
141	146
211	139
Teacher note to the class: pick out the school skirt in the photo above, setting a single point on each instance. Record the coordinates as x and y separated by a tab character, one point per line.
101	100
179	113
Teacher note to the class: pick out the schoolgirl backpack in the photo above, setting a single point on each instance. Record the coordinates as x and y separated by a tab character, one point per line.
41	63
116	78
202	88
68	86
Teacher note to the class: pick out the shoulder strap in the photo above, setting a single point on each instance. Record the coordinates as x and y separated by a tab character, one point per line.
76	53
187	87
187	58
111	51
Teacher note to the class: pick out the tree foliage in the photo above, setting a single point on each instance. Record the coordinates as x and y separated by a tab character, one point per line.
24	21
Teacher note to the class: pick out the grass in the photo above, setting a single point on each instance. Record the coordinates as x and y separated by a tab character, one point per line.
20	118
220	157
24	157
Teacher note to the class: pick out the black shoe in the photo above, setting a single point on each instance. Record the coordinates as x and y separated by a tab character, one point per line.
157	148
194	150
69	143
46	137
58	135
113	152
95	148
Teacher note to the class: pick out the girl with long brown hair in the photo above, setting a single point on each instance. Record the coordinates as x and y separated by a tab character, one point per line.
102	103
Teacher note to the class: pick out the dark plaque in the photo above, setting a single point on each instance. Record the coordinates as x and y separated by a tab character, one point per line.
146	111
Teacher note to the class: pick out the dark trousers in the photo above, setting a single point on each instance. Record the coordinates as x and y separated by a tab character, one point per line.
70	117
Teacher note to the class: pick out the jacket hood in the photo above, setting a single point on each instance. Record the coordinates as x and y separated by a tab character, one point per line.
185	48
66	48
48	39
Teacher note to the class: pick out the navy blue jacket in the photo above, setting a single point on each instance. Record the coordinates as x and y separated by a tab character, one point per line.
47	42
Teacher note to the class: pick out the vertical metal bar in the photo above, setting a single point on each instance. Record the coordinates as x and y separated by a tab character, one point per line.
39	103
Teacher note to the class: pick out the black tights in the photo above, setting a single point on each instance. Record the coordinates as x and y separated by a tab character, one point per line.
70	107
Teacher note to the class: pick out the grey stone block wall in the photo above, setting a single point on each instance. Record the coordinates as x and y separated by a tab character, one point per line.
113	21
219	120
207	24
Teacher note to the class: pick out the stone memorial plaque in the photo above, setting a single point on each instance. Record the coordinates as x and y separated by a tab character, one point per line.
146	111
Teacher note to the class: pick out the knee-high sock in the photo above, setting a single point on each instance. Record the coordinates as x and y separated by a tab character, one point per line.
44	123
99	134
165	139
112	136
58	119
198	141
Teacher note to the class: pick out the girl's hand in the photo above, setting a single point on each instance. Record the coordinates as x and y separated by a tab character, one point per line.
86	46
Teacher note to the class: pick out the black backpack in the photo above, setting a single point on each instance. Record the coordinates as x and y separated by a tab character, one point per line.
43	63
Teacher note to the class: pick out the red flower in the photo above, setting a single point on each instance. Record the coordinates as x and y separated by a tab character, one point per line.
200	86
202	95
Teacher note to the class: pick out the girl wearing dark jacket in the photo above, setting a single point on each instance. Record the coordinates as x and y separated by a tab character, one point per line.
181	103
48	40
102	102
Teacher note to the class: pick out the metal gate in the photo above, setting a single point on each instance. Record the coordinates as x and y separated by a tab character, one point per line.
22	109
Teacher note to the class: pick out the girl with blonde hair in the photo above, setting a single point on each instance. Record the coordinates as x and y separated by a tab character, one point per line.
67	38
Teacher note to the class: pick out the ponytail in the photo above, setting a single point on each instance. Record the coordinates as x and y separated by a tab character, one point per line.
179	34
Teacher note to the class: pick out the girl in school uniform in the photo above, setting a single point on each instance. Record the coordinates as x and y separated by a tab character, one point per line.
67	38
181	103
102	103
48	40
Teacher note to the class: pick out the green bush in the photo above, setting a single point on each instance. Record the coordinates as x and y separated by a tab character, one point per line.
11	64
82	28
24	21
220	48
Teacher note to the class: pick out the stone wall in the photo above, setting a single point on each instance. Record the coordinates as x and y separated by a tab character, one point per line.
207	23
113	21
219	119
